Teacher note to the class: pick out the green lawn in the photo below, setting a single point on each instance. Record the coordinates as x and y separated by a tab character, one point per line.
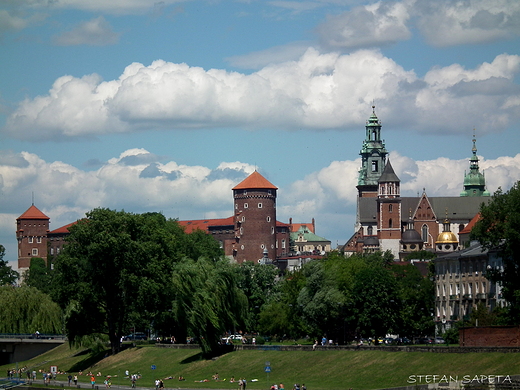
319	370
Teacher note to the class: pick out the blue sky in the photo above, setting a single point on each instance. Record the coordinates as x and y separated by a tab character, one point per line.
166	105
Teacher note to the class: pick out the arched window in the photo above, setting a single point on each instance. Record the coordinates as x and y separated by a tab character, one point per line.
370	231
424	232
390	207
390	225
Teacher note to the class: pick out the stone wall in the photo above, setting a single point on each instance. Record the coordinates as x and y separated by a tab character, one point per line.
490	336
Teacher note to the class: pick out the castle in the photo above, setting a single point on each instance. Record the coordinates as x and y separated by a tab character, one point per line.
252	233
387	221
384	221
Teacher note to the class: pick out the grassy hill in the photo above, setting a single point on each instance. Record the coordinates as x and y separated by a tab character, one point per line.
319	370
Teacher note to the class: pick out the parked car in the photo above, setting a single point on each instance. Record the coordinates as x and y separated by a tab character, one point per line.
425	340
439	340
135	336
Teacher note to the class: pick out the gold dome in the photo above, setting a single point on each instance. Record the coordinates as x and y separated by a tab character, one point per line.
446	238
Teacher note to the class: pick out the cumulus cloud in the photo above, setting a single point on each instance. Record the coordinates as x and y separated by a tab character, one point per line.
65	193
95	32
370	25
319	91
448	23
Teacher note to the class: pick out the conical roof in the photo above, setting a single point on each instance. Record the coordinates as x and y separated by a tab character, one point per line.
388	174
33	213
255	180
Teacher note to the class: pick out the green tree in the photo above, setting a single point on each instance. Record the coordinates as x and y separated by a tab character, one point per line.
208	301
375	298
115	269
258	283
38	275
498	229
27	310
416	301
7	274
281	315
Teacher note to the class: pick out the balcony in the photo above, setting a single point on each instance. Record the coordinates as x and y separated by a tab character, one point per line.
454	297
467	296
481	296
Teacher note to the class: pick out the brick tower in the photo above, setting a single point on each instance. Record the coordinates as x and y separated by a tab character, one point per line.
389	210
31	232
255	219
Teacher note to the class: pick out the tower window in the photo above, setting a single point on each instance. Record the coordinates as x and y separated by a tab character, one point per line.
30	240
245	192
243	218
268	219
35	252
390	207
246	205
259	205
39	240
424	232
390	224
374	166
370	230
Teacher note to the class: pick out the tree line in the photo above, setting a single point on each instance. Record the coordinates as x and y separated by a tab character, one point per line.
120	271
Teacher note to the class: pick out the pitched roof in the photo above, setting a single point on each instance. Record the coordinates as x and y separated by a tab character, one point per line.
204	224
63	229
255	180
33	213
469	226
459	208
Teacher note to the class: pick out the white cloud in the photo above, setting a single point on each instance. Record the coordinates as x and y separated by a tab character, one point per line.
448	23
95	32
319	91
65	193
371	25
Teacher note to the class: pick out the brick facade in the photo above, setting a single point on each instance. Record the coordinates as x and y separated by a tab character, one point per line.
490	336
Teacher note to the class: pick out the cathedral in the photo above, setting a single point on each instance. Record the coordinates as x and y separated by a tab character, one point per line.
387	221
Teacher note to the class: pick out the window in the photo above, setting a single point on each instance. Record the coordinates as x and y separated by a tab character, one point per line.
390	224
424	233
262	246
272	230
259	205
390	207
30	240
269	192
52	251
35	252
246	205
370	231
245	192
374	166
283	243
39	240
243	218
268	219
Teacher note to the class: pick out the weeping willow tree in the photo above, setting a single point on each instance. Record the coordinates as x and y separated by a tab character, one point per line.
208	301
27	310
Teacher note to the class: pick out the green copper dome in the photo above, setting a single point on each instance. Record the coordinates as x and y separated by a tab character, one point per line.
474	181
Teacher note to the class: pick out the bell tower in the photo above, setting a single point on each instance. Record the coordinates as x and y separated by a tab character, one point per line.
373	158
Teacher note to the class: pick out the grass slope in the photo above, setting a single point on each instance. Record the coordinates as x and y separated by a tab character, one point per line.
319	370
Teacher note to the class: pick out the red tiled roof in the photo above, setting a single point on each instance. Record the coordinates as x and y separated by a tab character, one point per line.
255	180
296	226
63	229
33	213
470	225
204	224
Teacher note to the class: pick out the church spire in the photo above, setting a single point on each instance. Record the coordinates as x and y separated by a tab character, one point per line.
373	157
474	181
